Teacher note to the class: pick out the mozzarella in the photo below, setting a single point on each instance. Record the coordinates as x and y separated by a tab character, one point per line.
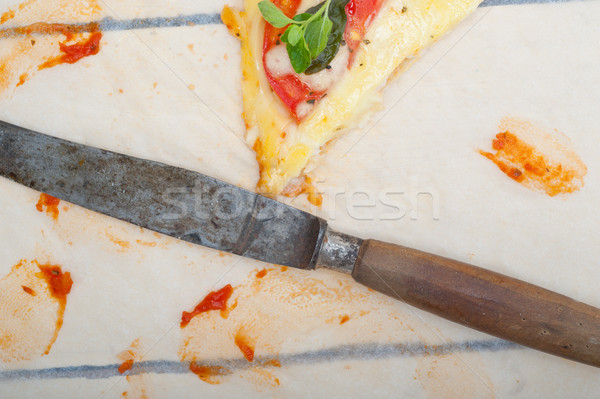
278	61
324	79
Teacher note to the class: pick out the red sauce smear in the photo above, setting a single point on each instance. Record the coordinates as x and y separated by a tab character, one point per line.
22	79
242	343
207	373
28	290
59	284
50	203
360	14
48	29
524	164
261	273
126	365
305	186
272	362
6	16
215	300
75	52
344	319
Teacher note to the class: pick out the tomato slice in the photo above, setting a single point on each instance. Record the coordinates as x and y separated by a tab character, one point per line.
289	88
289	8
360	14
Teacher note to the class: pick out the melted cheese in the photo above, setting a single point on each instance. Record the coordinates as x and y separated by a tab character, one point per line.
284	148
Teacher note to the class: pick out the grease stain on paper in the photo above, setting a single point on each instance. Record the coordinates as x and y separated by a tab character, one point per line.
123	245
447	376
33	299
282	310
537	158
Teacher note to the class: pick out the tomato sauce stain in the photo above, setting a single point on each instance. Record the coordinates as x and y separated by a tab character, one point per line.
50	203
10	14
44	28
344	319
136	381
304	187
116	240
208	373
35	46
74	52
556	170
261	273
22	79
247	350
126	365
272	362
215	300
28	290
146	243
59	284
33	298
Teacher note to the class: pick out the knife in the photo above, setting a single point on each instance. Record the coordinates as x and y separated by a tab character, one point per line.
203	210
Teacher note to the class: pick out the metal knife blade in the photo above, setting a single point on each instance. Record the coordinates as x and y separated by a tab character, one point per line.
170	200
206	211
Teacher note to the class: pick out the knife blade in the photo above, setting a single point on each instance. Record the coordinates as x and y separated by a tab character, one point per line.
202	210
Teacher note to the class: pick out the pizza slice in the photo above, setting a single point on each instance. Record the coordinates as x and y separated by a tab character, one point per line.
291	116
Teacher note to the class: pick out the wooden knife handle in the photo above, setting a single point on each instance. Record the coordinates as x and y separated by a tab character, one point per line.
484	300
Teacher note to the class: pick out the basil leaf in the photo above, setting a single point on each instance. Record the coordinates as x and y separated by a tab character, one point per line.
337	14
273	15
303	17
316	35
294	34
299	55
284	37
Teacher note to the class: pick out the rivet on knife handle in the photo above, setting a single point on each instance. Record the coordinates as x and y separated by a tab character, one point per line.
484	300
